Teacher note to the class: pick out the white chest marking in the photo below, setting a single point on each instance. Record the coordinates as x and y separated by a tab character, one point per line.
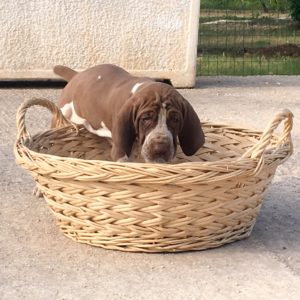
69	112
136	86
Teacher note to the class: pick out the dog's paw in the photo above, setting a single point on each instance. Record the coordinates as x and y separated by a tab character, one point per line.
125	158
37	192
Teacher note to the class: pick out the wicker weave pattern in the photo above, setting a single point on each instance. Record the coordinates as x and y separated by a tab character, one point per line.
199	202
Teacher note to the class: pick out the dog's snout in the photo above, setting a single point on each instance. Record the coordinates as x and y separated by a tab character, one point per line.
161	139
160	147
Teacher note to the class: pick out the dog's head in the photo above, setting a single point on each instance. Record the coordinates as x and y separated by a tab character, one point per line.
155	116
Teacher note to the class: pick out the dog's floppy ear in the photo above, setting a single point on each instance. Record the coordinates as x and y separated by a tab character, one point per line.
191	137
123	132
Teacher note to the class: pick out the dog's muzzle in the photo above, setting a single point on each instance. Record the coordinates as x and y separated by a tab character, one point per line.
158	148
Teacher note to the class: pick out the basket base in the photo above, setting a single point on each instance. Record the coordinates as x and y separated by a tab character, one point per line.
135	244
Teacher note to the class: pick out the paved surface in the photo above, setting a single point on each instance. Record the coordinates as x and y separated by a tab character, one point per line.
38	262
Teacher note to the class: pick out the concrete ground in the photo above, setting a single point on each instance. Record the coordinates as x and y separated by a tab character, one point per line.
38	262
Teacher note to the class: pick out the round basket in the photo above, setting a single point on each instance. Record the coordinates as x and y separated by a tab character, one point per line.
197	202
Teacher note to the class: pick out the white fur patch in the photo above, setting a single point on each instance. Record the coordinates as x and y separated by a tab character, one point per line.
136	86
68	110
104	132
76	119
162	120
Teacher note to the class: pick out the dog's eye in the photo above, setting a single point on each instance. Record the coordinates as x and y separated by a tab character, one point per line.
175	118
147	117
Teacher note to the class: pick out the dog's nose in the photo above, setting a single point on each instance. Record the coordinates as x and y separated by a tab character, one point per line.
160	148
161	145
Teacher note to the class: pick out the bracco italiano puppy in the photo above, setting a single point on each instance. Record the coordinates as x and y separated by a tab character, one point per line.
112	103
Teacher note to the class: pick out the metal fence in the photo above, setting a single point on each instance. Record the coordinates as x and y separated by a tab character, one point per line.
248	42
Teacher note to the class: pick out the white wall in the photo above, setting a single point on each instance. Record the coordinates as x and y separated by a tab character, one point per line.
153	37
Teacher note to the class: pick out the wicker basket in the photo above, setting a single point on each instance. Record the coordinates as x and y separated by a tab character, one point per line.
199	202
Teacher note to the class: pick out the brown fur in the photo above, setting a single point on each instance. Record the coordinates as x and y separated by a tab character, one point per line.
109	100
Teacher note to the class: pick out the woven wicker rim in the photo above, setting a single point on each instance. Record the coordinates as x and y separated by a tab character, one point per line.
253	155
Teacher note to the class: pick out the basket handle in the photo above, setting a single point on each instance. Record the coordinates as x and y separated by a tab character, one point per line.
58	118
258	150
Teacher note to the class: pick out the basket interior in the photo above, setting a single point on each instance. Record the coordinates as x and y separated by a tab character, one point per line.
222	142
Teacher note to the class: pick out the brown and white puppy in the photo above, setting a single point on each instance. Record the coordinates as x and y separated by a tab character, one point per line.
110	102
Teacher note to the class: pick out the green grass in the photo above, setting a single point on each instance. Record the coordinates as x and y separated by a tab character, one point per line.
221	44
221	65
232	44
245	4
258	32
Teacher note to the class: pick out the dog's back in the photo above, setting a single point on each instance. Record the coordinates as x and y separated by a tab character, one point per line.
97	92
